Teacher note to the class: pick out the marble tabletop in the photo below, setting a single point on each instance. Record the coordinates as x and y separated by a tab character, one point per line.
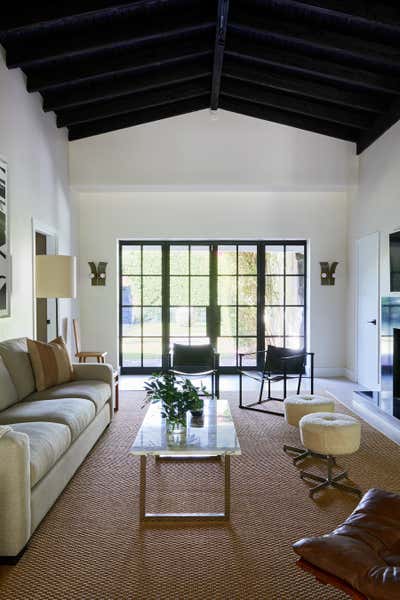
213	434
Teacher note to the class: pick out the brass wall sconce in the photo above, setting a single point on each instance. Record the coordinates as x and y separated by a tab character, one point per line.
98	274
328	273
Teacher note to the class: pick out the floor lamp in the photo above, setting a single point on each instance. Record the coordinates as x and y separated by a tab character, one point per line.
55	278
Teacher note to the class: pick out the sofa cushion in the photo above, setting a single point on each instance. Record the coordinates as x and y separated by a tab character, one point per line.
50	362
47	443
8	391
16	358
77	413
96	391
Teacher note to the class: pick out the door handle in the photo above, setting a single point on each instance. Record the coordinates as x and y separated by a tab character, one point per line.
373	322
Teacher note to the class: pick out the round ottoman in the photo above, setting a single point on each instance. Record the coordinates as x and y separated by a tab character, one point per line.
330	434
295	407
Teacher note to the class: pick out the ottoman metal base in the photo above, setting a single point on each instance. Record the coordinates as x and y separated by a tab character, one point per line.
330	481
303	453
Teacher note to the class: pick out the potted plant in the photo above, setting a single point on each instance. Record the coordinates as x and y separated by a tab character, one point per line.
177	395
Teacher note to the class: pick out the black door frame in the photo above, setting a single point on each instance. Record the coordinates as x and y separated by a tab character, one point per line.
213	244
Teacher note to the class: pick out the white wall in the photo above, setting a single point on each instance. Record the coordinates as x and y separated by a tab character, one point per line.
374	207
37	156
194	150
319	217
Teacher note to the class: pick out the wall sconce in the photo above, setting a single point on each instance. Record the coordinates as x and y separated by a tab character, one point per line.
98	274
328	273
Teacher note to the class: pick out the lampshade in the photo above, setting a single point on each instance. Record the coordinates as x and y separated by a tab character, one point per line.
55	276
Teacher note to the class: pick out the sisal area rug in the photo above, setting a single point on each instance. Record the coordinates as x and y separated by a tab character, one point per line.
91	547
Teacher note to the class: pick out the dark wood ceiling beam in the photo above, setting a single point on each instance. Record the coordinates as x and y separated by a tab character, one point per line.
291	119
112	87
29	54
220	37
381	124
296	104
328	43
127	104
22	14
308	65
85	130
128	61
311	88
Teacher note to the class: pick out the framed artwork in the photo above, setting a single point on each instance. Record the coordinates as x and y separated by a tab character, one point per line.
5	271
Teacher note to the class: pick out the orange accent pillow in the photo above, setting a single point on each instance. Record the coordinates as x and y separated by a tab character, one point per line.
50	362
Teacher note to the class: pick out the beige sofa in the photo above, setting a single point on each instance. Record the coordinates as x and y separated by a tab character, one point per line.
50	434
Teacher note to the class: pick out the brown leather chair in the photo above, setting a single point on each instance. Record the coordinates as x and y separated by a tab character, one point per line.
362	556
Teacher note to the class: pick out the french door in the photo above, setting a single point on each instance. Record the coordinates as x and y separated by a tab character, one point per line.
240	296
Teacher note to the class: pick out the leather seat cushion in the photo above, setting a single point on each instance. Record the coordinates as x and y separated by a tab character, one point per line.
365	550
76	413
47	443
96	391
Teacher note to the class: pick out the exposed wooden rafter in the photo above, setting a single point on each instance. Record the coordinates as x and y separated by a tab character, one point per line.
220	37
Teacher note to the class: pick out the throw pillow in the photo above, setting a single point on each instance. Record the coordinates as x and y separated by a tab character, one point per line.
50	362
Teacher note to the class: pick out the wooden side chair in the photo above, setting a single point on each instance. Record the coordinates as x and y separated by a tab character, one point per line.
81	355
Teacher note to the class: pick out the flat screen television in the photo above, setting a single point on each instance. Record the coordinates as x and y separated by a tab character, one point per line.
394	243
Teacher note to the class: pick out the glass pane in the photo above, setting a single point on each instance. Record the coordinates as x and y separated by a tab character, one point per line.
274	341
227	351
131	260
247	321
295	343
179	321
131	352
294	290
295	321
131	321
152	350
179	260
228	320
248	345
274	290
226	290
199	341
199	260
247	290
152	260
274	260
199	291
247	260
295	259
131	290
179	291
273	321
226	260
152	321
152	290
198	321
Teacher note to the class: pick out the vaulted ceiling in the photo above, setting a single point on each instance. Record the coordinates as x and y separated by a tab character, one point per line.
328	66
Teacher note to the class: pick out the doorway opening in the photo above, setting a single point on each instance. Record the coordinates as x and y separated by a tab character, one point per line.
46	309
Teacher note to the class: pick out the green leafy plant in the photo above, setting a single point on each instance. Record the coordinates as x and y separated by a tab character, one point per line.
176	394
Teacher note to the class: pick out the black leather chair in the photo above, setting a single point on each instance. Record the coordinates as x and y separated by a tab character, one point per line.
280	364
196	361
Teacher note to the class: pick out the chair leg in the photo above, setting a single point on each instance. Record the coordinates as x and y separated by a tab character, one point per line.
213	384
269	389
217	385
240	391
299	385
284	386
261	392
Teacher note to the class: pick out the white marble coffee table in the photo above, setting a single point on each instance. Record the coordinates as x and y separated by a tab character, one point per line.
207	438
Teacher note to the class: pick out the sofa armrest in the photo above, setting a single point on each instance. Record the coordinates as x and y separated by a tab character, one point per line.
15	493
100	372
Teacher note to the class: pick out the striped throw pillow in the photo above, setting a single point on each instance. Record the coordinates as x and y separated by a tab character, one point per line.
50	362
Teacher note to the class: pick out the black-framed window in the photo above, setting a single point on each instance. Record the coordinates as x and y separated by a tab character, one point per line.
240	295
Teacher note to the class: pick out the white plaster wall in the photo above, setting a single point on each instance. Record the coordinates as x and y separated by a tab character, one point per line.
320	217
374	207
37	156
232	151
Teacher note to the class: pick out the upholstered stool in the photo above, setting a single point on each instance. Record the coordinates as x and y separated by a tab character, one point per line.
330	434
295	407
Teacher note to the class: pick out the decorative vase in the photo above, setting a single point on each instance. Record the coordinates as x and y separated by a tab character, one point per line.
176	426
198	411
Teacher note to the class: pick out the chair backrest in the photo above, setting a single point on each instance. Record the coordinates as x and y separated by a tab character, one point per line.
77	337
192	359
275	364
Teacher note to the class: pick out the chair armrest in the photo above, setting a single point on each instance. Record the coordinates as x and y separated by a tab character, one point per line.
250	353
15	493
100	372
